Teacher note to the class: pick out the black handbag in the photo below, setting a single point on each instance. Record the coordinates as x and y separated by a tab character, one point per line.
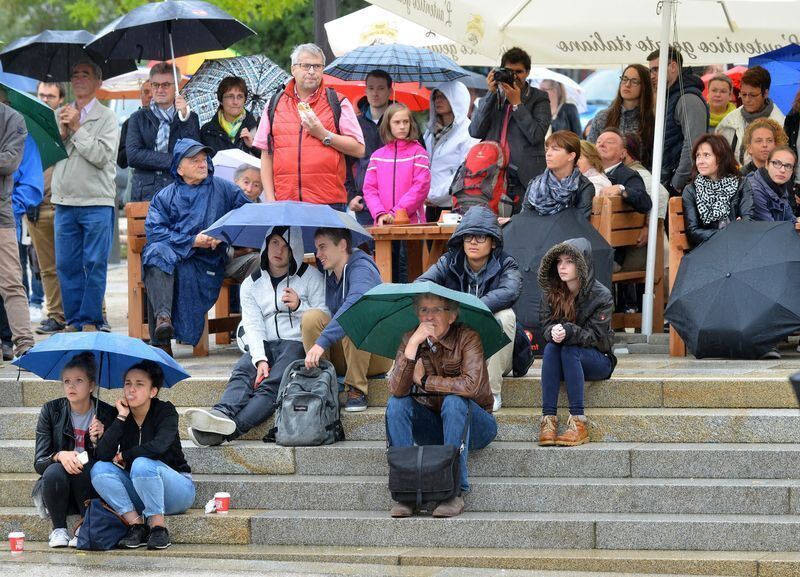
424	474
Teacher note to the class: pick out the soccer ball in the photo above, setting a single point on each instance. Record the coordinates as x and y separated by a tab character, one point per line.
241	339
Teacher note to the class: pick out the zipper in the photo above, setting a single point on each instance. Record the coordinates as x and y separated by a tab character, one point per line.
275	318
140	434
300	164
394	174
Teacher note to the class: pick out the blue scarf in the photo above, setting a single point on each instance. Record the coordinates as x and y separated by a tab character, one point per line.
164	120
548	195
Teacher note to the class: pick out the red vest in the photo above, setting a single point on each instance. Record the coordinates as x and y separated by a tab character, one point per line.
303	168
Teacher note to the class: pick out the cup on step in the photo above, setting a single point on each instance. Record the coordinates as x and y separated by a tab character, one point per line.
222	502
16	542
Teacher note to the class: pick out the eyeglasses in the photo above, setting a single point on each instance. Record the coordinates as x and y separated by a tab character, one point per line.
479	238
234	97
425	311
160	85
778	165
306	67
631	81
749	95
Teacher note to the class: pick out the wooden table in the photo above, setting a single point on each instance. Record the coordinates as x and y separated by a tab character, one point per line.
420	256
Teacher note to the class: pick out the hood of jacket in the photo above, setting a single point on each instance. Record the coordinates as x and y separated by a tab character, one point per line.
687	81
477	220
458	97
581	251
179	153
293	235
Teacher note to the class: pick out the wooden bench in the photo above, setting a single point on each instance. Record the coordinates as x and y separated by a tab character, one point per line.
224	321
620	225
678	246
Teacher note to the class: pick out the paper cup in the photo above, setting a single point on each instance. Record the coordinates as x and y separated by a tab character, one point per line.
451	218
16	542
222	502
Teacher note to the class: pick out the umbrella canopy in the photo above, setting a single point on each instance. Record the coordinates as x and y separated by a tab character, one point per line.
190	63
17	82
40	120
575	92
735	295
50	55
474	80
248	225
529	236
379	319
784	68
128	85
403	63
411	94
227	161
262	75
115	354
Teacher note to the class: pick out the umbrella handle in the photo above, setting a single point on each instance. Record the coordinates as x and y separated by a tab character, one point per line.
172	54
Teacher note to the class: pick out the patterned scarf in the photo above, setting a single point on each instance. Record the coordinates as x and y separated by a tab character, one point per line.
714	197
164	120
548	195
231	128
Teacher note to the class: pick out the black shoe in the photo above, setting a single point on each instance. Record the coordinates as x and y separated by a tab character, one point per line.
159	538
8	352
136	537
164	328
50	327
105	327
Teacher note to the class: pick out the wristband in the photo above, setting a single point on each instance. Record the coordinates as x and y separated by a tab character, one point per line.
121	418
423	380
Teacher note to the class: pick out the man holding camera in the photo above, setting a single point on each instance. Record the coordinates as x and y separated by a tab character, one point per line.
519	114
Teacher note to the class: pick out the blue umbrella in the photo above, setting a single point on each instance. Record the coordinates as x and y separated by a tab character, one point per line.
783	65
248	226
115	354
17	82
403	63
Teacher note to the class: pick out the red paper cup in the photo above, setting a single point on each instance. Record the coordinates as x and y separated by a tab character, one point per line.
222	502
16	542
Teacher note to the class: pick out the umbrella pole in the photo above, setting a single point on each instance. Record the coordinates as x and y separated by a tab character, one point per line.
174	69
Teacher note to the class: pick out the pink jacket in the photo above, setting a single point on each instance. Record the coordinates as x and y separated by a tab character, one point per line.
398	176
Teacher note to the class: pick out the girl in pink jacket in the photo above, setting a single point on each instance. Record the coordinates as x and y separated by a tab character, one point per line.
398	175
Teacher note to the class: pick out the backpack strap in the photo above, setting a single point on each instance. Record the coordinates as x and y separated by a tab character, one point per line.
273	104
336	106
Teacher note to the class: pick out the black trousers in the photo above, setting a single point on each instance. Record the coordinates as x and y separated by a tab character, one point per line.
62	493
160	287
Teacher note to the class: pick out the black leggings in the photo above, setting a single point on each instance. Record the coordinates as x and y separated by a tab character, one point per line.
62	492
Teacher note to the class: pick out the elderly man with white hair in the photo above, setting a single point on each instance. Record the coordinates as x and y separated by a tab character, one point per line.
305	132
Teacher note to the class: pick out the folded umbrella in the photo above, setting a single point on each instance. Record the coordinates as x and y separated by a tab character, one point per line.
381	316
41	123
403	63
735	295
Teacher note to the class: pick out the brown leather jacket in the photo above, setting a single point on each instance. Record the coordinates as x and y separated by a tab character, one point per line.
456	367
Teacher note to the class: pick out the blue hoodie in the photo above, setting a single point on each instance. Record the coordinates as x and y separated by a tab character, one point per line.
28	182
359	275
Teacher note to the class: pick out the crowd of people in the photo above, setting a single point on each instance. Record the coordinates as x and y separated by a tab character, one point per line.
726	162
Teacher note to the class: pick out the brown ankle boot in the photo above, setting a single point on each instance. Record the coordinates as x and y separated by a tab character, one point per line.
548	430
576	433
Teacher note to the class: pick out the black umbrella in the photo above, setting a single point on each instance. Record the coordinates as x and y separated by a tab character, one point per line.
735	295
170	29
50	55
529	236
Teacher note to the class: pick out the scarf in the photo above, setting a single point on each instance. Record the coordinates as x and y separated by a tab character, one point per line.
715	119
765	112
231	128
714	198
548	195
439	130
164	120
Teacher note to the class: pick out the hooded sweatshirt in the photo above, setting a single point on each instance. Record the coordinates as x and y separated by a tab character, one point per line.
448	152
264	316
594	305
359	275
398	176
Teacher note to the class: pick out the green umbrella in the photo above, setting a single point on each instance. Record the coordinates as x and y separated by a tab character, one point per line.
379	319
41	122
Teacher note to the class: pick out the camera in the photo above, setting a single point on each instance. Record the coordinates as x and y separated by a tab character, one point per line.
505	76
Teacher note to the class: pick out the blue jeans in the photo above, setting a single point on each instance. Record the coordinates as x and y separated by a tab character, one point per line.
573	365
410	422
151	488
83	242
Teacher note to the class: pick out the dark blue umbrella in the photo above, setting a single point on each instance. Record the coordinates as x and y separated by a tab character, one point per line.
403	63
247	226
50	55
783	65
115	354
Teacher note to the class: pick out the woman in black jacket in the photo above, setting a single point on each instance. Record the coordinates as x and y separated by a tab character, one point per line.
67	429
232	126
717	195
564	114
142	472
575	315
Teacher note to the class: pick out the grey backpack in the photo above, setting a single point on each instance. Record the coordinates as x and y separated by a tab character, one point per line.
307	407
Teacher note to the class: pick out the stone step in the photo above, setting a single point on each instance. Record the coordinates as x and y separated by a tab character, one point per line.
535	495
638	425
647	349
532	530
648	389
499	459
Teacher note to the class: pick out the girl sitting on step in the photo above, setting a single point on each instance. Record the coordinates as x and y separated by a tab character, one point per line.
143	474
66	434
575	314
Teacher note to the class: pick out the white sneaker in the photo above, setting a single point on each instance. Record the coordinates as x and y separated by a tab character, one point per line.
59	538
74	541
498	403
35	313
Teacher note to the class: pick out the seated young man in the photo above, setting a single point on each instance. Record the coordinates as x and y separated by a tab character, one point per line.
183	267
444	358
274	301
350	273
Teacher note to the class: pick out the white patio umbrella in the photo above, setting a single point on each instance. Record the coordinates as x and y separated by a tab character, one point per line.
575	92
570	33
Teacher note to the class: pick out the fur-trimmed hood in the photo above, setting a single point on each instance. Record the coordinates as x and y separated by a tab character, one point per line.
581	251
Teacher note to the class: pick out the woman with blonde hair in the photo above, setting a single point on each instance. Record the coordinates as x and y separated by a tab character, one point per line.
591	166
564	114
761	137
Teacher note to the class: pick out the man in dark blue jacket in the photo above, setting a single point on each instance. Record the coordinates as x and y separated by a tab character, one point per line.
349	274
153	132
475	263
